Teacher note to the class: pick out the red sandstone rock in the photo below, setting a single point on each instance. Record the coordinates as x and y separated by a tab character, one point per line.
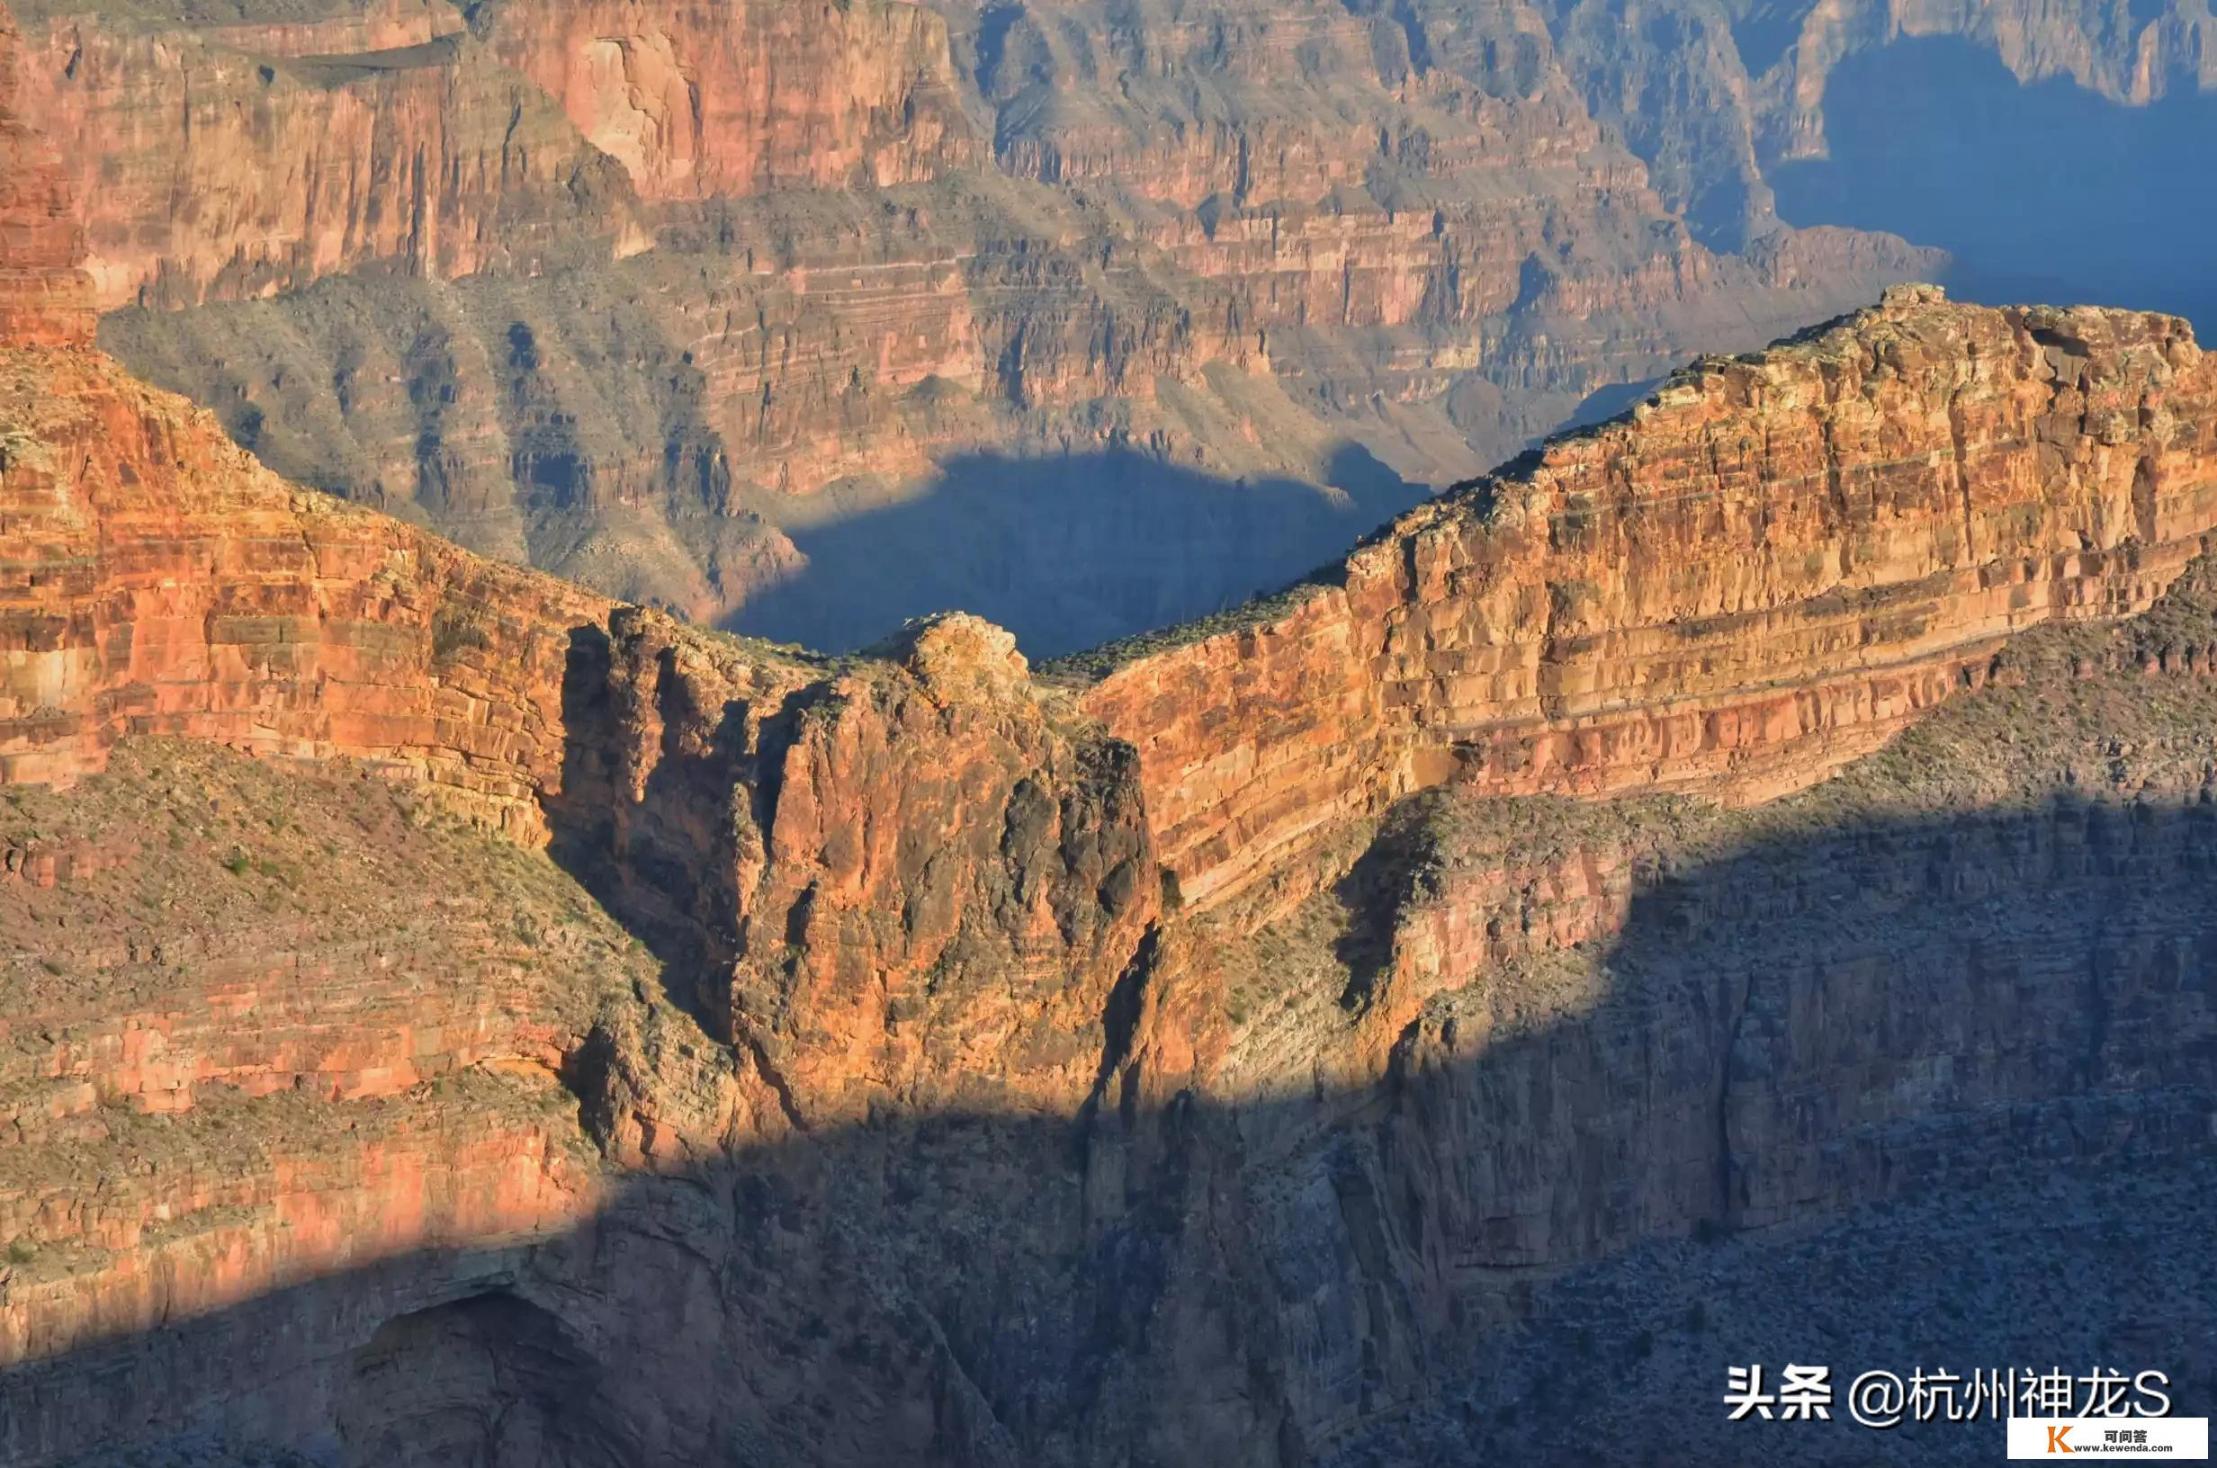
1754	578
45	300
706	99
207	167
1759	575
162	582
929	882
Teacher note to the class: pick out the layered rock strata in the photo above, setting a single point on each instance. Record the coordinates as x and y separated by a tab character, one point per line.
265	1024
699	101
1763	571
226	173
619	291
44	298
689	1134
162	582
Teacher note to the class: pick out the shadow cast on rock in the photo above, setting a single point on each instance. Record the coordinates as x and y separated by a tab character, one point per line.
1069	551
1877	1029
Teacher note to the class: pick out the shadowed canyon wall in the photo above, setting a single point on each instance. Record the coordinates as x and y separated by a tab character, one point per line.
2025	145
2041	145
670	299
685	1126
654	297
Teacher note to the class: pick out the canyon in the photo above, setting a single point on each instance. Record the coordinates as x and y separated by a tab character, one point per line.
460	1018
694	305
1300	969
707	307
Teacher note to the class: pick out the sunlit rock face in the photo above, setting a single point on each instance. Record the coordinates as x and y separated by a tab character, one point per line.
1762	572
163	582
700	101
573	1036
44	298
232	163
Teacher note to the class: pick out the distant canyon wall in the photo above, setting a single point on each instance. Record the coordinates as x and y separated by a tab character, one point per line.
698	101
45	297
618	292
225	172
2133	57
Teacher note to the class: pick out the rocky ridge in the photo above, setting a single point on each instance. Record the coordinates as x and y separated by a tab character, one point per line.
1763	571
163	581
1265	999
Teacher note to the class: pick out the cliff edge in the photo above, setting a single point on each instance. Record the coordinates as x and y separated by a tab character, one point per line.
1201	983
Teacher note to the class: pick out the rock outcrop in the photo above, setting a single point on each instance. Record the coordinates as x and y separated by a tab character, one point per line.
1205	1048
1761	573
45	299
909	886
161	581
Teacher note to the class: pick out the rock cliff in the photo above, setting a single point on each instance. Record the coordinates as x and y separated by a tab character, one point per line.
233	162
162	582
265	1026
1229	1047
1763	571
44	298
675	300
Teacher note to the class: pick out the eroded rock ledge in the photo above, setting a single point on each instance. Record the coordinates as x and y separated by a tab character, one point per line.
1756	576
